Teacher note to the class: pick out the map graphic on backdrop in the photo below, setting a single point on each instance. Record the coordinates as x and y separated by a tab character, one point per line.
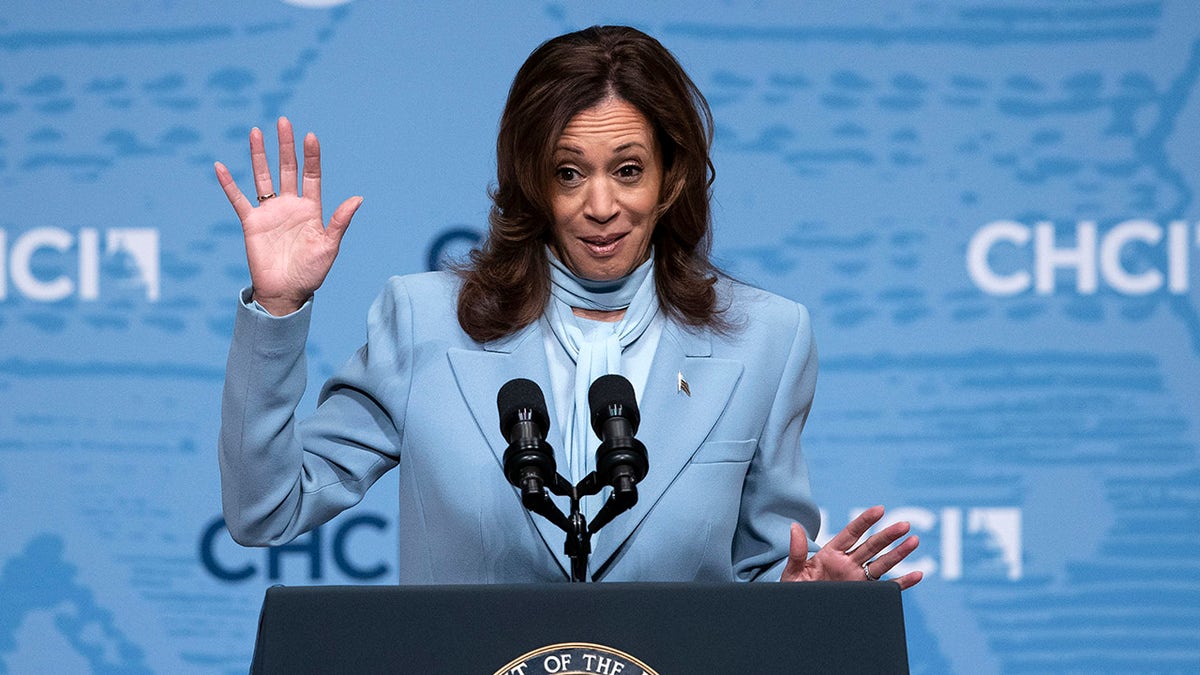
987	206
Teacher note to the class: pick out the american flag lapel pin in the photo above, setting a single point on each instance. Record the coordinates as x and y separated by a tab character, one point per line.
683	385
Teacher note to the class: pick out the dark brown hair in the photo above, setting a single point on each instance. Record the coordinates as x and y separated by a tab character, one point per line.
507	283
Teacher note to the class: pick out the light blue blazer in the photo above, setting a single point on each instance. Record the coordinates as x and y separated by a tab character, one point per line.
726	477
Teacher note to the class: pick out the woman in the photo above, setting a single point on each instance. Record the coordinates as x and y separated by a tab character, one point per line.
596	262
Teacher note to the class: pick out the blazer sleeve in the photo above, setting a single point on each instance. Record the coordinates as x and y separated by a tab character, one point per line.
776	491
281	477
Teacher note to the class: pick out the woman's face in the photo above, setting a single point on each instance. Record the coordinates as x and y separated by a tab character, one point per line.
605	189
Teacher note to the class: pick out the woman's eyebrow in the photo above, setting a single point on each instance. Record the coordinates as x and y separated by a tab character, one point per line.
625	146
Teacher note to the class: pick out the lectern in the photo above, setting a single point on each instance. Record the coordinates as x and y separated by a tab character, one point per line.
611	629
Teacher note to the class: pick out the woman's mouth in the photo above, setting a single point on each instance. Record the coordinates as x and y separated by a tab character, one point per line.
602	246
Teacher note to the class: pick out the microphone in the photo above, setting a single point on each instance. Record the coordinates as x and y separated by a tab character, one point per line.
621	459
529	459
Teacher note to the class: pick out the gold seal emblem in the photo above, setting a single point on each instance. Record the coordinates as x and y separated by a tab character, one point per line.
576	658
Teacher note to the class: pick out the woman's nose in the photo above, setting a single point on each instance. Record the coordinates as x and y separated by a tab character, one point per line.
601	204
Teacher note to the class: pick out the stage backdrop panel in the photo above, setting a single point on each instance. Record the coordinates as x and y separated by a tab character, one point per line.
988	206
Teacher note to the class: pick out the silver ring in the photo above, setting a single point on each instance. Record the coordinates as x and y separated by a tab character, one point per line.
263	198
867	571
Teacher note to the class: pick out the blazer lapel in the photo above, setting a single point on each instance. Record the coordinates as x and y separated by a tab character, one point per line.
480	375
674	424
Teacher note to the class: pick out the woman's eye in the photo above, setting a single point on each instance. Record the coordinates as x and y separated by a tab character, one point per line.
566	174
629	171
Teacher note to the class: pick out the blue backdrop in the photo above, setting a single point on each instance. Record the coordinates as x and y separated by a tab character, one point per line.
987	205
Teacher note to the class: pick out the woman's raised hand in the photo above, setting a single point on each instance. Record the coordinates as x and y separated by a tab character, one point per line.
288	247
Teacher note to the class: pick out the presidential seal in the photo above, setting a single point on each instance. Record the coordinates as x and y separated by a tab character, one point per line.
576	658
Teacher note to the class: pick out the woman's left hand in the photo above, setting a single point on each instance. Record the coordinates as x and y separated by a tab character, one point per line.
838	561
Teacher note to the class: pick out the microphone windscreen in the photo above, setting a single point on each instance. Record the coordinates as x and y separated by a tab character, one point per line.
609	392
521	394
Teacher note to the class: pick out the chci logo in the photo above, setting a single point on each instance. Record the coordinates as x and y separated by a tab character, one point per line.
576	658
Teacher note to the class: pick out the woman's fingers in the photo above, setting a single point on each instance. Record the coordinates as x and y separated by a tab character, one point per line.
876	544
849	536
833	563
289	179
258	162
287	158
312	168
797	554
909	580
884	563
241	205
879	541
289	185
340	220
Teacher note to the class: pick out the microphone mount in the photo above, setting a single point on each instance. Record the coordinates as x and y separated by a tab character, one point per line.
529	464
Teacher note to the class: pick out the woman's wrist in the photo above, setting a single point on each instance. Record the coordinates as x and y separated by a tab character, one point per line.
278	306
